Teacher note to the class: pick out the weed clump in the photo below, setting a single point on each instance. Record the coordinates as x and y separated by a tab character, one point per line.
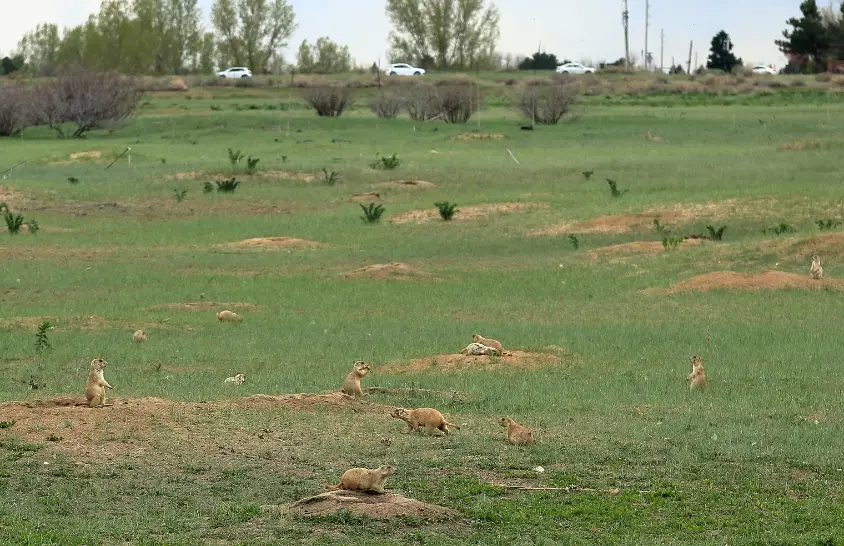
573	240
716	234
227	186
41	341
251	164
827	224
385	162
614	191
331	178
447	210
180	195
372	213
13	221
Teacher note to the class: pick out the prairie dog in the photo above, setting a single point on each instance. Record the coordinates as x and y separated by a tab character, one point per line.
817	269
479	349
139	337
478	338
650	136
228	316
237	380
95	388
351	385
364	479
429	418
697	378
516	433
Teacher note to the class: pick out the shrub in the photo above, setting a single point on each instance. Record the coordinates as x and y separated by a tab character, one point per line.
180	195
828	223
372	213
423	103
575	243
227	186
458	102
328	100
387	105
716	234
252	164
207	187
386	162
447	210
235	157
33	227
547	104
41	341
13	110
614	191
331	178
13	221
73	180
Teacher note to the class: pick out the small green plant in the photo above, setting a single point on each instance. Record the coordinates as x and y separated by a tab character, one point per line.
447	210
4	207
54	438
827	224
227	186
41	341
671	242
614	191
13	221
7	424
235	157
284	159
180	195
163	161
33	227
384	162
575	243
331	178
780	229
716	234
252	164
588	174
662	230
207	187
372	213
73	180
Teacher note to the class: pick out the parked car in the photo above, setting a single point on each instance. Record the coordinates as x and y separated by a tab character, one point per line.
403	69
763	69
574	68
235	72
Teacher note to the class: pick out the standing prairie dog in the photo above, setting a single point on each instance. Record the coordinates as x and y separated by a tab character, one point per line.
236	380
228	316
817	269
364	479
516	433
429	418
351	385
139	337
95	388
697	378
478	338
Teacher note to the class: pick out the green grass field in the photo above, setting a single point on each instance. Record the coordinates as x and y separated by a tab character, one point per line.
181	458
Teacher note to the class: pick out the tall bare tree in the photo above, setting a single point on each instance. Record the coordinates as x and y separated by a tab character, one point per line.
183	32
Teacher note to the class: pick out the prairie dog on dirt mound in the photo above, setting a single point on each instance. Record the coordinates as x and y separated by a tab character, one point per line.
816	270
139	336
228	316
478	338
479	349
364	479
236	380
351	385
429	418
516	433
697	378
95	388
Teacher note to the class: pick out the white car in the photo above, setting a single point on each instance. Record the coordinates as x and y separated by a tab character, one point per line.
403	69
235	72
763	69
574	68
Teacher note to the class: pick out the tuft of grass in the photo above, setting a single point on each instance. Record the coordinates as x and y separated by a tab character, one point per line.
33	227
73	180
716	234
251	164
14	222
331	178
827	224
372	213
227	186
659	228
235	157
671	242
42	343
207	187
447	210
588	174
780	229
385	162
7	424
614	191
180	195
575	243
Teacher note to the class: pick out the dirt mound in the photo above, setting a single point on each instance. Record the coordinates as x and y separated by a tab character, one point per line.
11	197
799	145
306	402
406	184
85	155
365	197
473	212
767	280
395	270
259	174
477	136
270	243
640	247
450	362
201	306
377	506
824	244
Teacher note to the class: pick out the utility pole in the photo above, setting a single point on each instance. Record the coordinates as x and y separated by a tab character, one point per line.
689	65
647	24
625	18
661	49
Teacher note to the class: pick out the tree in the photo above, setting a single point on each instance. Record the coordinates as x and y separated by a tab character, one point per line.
324	57
253	31
721	53
676	69
11	64
206	54
454	33
40	49
305	58
540	61
808	37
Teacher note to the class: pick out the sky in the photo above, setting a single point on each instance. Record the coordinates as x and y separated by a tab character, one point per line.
573	29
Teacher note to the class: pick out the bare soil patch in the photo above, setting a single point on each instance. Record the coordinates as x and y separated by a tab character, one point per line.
824	244
84	323
453	362
76	157
201	306
406	184
365	197
270	243
767	280
257	175
374	505
12	197
799	145
394	270
639	247
473	212
477	136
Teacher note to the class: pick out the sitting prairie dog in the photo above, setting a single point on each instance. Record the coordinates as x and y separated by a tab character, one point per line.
364	479
479	349
650	136
236	380
516	433
697	378
96	385
351	385
429	418
478	338
228	316
816	270
139	336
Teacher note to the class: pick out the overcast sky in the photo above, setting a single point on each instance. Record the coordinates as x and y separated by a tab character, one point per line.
592	30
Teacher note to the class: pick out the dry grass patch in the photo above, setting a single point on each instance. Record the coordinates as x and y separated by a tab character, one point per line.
824	244
800	145
201	306
257	175
477	136
406	184
75	323
639	247
767	280
473	212
390	271
365	197
12	197
270	243
455	362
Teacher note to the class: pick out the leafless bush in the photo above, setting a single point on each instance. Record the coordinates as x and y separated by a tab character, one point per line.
547	104
423	102
458	102
328	100
85	98
13	112
387	105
